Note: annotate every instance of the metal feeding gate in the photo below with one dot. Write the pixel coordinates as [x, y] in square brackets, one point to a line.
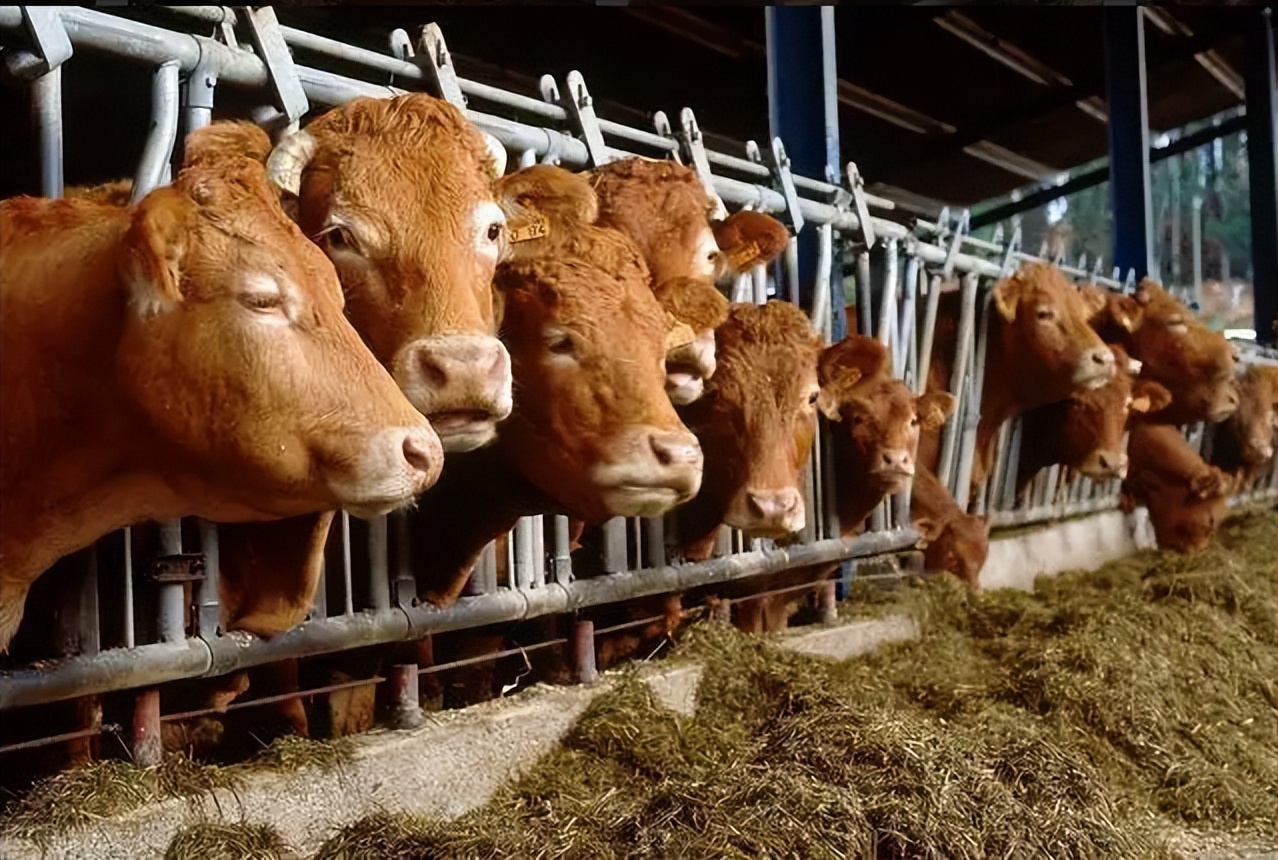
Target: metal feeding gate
[132, 620]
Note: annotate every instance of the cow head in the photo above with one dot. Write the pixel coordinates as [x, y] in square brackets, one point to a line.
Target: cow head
[879, 414]
[1047, 348]
[1256, 420]
[959, 544]
[592, 426]
[398, 193]
[1193, 362]
[747, 239]
[1186, 521]
[1092, 431]
[237, 354]
[694, 309]
[757, 419]
[664, 208]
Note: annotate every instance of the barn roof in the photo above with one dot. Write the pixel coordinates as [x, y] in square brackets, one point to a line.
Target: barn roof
[954, 104]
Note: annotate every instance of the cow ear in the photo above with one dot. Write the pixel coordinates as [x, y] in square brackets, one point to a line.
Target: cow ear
[934, 407]
[1146, 290]
[1210, 484]
[828, 403]
[749, 238]
[928, 529]
[1094, 299]
[154, 247]
[1149, 396]
[865, 356]
[1006, 294]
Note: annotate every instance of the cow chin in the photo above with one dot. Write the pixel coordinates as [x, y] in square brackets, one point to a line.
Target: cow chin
[397, 466]
[641, 501]
[683, 388]
[458, 435]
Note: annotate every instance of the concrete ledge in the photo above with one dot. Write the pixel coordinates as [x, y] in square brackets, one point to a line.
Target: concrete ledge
[1087, 543]
[852, 640]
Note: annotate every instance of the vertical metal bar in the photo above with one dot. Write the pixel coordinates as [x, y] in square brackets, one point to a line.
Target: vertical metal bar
[209, 610]
[929, 333]
[144, 739]
[583, 648]
[1262, 172]
[613, 534]
[790, 267]
[864, 295]
[822, 292]
[1007, 499]
[962, 352]
[129, 640]
[538, 551]
[561, 564]
[348, 591]
[887, 308]
[160, 140]
[1196, 245]
[1129, 192]
[907, 357]
[522, 546]
[402, 690]
[171, 622]
[972, 416]
[759, 276]
[404, 589]
[654, 539]
[46, 114]
[378, 564]
[484, 577]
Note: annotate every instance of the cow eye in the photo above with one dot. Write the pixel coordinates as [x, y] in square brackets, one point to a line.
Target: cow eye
[340, 239]
[914, 422]
[561, 343]
[1046, 313]
[261, 301]
[814, 397]
[493, 232]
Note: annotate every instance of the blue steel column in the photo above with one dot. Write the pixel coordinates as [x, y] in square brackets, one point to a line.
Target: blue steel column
[803, 110]
[1129, 196]
[1262, 157]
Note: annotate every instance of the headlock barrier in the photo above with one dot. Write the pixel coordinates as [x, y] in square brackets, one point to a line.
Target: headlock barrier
[165, 627]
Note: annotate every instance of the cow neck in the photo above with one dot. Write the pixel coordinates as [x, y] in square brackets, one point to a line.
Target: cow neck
[857, 492]
[478, 498]
[699, 522]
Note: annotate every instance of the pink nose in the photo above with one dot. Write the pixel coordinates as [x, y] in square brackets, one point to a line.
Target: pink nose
[773, 505]
[676, 449]
[897, 460]
[421, 450]
[480, 365]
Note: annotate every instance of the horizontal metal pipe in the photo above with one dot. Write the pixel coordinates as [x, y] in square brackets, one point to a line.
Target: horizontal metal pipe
[148, 665]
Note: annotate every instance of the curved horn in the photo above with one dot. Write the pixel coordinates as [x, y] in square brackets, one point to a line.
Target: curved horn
[289, 158]
[497, 150]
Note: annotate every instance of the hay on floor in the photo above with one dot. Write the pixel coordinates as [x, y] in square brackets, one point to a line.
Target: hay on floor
[210, 841]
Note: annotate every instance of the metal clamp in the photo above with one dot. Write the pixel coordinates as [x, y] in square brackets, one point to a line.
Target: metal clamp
[433, 59]
[268, 41]
[780, 166]
[956, 242]
[550, 95]
[661, 125]
[694, 146]
[50, 43]
[401, 48]
[857, 185]
[185, 567]
[580, 109]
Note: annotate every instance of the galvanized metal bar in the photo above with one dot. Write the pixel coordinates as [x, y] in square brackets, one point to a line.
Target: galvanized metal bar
[163, 134]
[864, 295]
[129, 636]
[929, 332]
[379, 591]
[144, 740]
[561, 563]
[962, 352]
[972, 415]
[210, 612]
[907, 355]
[171, 619]
[887, 308]
[484, 576]
[46, 114]
[759, 281]
[522, 546]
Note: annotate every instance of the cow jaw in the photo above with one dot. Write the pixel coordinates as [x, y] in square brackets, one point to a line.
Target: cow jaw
[688, 367]
[397, 466]
[654, 471]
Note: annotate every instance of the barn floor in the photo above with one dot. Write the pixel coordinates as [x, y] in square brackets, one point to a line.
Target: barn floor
[1127, 712]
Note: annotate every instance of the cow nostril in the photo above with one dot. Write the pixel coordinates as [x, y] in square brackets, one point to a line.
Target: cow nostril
[1102, 357]
[672, 449]
[433, 372]
[1103, 460]
[418, 453]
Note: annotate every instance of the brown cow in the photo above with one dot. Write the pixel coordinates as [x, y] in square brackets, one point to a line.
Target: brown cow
[747, 239]
[1244, 442]
[398, 192]
[756, 424]
[204, 345]
[1176, 350]
[1187, 499]
[592, 433]
[955, 541]
[878, 423]
[548, 204]
[1040, 350]
[1087, 430]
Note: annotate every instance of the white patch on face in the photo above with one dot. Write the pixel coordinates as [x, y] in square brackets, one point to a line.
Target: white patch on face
[490, 229]
[705, 255]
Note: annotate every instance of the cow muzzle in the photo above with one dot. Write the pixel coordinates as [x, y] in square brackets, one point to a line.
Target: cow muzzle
[654, 471]
[768, 513]
[688, 367]
[1104, 465]
[397, 466]
[1224, 405]
[893, 468]
[1096, 368]
[461, 382]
